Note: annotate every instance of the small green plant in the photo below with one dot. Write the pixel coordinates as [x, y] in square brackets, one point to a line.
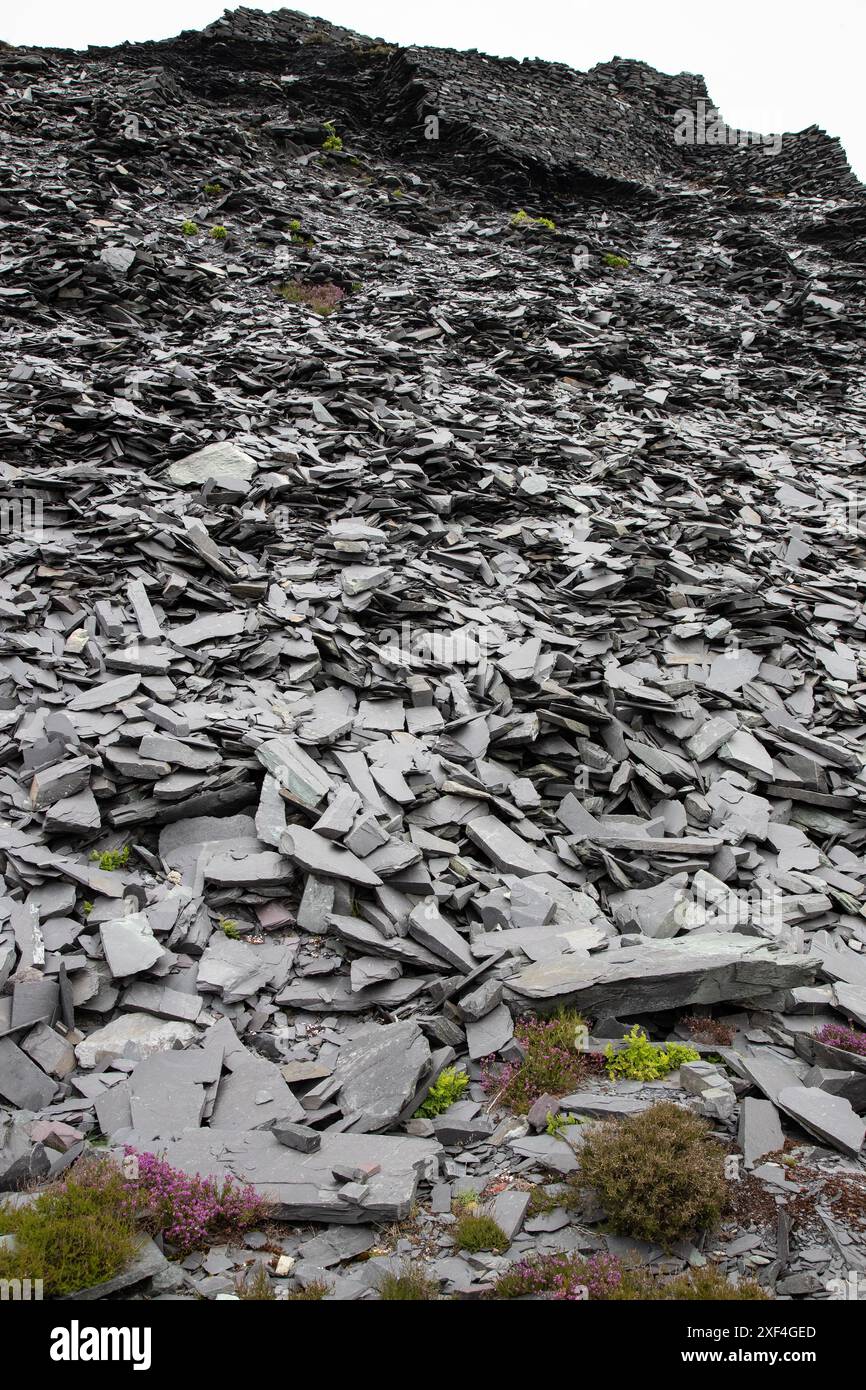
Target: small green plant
[616, 262]
[658, 1175]
[557, 1123]
[212, 190]
[446, 1089]
[297, 236]
[111, 859]
[254, 1284]
[640, 1060]
[87, 907]
[332, 141]
[465, 1201]
[522, 220]
[230, 927]
[189, 228]
[412, 1284]
[357, 286]
[474, 1233]
[218, 233]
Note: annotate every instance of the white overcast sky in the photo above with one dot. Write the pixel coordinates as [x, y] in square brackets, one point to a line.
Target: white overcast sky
[770, 65]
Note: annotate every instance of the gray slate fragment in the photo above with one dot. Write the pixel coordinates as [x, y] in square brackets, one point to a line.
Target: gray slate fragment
[213, 463]
[378, 1072]
[830, 1117]
[489, 1034]
[429, 927]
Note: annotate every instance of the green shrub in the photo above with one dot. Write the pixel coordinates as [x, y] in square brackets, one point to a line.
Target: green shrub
[332, 140]
[616, 262]
[446, 1089]
[212, 190]
[412, 1284]
[230, 927]
[72, 1236]
[476, 1233]
[111, 859]
[658, 1175]
[189, 228]
[641, 1060]
[218, 233]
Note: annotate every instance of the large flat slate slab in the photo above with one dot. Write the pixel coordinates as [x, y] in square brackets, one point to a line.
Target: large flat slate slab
[302, 1187]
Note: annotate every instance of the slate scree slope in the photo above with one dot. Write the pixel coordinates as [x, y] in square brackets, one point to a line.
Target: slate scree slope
[492, 643]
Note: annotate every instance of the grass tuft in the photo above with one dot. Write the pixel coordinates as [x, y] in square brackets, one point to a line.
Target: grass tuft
[412, 1284]
[474, 1233]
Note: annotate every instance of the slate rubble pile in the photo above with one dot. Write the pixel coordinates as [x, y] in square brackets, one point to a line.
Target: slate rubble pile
[492, 644]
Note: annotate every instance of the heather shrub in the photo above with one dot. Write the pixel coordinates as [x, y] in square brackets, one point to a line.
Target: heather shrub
[567, 1277]
[709, 1030]
[837, 1035]
[77, 1233]
[641, 1060]
[658, 1174]
[192, 1212]
[322, 299]
[446, 1089]
[554, 1062]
